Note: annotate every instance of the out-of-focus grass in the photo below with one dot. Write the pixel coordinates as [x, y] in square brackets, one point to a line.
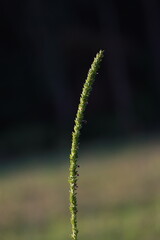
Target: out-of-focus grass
[118, 198]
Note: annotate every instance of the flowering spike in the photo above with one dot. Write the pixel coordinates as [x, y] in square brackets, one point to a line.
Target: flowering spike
[73, 177]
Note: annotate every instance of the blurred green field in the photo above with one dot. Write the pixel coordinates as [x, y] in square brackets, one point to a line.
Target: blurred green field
[118, 198]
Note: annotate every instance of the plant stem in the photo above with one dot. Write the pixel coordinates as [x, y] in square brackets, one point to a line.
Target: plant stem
[73, 172]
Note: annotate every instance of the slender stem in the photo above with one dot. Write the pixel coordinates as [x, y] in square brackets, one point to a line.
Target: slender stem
[73, 171]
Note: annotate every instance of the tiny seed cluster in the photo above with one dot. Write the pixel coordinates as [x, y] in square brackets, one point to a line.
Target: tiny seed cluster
[73, 176]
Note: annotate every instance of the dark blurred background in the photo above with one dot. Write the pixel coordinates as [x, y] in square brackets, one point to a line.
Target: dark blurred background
[46, 50]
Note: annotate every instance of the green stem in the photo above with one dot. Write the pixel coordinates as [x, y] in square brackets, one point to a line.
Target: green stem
[73, 176]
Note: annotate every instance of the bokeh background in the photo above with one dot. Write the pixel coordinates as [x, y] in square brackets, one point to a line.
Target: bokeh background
[46, 48]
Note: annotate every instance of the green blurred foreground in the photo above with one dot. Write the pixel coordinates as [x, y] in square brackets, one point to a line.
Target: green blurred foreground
[119, 198]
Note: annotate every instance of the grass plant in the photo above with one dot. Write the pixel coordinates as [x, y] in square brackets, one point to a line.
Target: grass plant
[73, 171]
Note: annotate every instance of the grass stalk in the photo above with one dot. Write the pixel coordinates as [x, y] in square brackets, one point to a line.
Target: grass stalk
[73, 170]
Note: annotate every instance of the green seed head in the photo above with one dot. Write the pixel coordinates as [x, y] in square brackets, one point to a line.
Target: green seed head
[73, 172]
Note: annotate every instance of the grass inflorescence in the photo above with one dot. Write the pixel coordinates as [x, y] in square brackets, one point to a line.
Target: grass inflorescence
[73, 171]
